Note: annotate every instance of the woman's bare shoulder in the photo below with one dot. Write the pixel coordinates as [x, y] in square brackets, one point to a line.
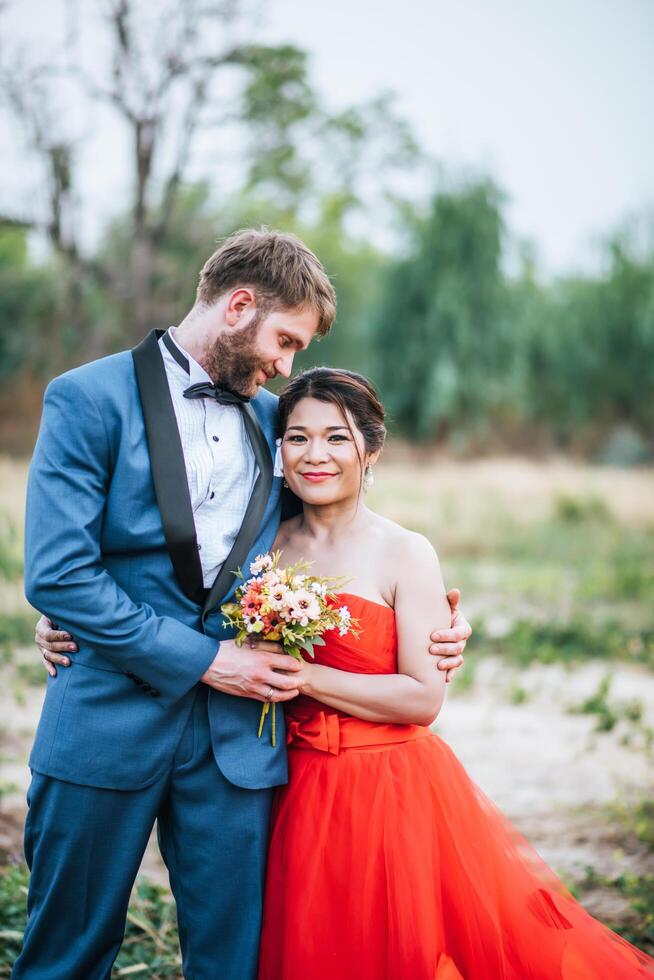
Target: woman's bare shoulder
[287, 529]
[390, 533]
[402, 553]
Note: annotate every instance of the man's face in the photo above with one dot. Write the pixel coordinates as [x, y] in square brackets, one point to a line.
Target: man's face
[258, 348]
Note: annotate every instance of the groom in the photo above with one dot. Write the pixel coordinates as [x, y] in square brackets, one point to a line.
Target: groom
[151, 481]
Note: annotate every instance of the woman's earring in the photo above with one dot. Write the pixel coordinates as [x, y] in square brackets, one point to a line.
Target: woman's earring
[368, 478]
[285, 484]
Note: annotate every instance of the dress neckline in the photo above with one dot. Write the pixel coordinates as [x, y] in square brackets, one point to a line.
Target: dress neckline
[362, 598]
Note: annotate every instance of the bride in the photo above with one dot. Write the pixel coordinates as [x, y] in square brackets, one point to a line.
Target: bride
[386, 862]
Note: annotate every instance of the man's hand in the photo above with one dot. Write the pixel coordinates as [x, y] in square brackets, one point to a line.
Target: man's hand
[259, 670]
[53, 645]
[450, 644]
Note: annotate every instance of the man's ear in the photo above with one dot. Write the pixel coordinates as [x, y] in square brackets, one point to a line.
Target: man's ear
[238, 302]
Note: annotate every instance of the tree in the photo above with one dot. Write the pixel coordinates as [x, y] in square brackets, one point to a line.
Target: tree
[170, 73]
[440, 331]
[160, 81]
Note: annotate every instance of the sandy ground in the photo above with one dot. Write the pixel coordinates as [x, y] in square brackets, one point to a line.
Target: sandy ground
[543, 766]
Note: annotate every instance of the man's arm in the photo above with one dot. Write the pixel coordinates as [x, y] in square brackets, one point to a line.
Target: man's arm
[64, 575]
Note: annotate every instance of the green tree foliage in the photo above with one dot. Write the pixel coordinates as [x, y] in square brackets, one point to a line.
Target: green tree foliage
[588, 347]
[440, 333]
[467, 352]
[28, 299]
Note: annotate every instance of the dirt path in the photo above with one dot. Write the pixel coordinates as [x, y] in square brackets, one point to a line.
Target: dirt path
[544, 767]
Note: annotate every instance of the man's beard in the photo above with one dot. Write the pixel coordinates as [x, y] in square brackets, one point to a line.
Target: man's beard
[234, 360]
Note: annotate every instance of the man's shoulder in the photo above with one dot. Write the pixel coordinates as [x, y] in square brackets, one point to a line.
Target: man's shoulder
[105, 376]
[266, 403]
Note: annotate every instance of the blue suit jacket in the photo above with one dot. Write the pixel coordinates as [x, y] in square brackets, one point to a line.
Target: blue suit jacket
[103, 563]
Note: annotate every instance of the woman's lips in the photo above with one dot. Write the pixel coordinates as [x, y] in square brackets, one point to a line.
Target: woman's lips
[317, 477]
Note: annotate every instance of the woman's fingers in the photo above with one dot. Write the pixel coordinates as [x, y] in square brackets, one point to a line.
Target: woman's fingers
[450, 663]
[58, 647]
[56, 658]
[51, 669]
[282, 681]
[55, 641]
[265, 645]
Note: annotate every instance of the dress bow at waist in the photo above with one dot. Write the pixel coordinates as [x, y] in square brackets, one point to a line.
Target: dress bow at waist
[325, 731]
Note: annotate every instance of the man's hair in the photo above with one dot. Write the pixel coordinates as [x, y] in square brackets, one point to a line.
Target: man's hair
[282, 272]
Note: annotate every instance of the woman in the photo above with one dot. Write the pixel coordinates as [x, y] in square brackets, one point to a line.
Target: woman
[386, 862]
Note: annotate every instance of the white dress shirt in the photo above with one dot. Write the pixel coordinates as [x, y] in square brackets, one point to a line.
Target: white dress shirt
[220, 464]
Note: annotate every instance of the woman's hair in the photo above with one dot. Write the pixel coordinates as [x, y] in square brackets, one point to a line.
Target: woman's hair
[356, 397]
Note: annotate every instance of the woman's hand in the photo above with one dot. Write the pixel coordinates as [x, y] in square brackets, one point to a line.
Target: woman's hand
[450, 644]
[286, 675]
[53, 645]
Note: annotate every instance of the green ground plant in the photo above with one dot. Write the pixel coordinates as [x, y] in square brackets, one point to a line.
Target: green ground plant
[150, 948]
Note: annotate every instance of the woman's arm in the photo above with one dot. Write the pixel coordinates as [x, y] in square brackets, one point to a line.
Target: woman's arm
[415, 694]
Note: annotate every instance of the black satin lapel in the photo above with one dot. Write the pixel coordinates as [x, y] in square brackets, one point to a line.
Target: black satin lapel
[253, 514]
[167, 464]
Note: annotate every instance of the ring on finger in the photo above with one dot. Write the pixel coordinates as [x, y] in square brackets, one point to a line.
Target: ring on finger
[270, 694]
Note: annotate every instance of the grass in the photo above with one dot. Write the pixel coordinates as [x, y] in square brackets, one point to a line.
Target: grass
[11, 562]
[150, 948]
[16, 630]
[577, 640]
[638, 890]
[556, 564]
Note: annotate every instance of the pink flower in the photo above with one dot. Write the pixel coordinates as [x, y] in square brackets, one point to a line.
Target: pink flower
[262, 563]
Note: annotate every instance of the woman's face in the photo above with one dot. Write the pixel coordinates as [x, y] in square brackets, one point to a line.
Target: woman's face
[319, 454]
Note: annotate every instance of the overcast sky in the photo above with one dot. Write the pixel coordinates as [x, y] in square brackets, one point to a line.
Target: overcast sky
[552, 97]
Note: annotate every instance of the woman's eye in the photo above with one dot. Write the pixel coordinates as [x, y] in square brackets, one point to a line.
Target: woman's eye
[338, 439]
[295, 439]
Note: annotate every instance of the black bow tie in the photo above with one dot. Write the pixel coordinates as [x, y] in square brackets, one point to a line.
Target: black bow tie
[203, 389]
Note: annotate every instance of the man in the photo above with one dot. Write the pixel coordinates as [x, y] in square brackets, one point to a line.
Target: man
[152, 480]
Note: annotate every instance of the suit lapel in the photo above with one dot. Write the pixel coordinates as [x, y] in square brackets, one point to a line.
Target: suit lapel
[167, 465]
[253, 515]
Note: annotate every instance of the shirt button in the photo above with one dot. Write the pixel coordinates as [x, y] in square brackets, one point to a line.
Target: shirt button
[199, 547]
[215, 438]
[212, 495]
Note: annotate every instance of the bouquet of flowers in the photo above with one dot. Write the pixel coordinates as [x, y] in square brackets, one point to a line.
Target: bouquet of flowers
[288, 606]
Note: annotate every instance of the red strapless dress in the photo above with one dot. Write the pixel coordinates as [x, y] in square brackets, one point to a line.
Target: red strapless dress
[387, 862]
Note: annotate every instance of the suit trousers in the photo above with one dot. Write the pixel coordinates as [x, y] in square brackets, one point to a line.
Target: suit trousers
[84, 846]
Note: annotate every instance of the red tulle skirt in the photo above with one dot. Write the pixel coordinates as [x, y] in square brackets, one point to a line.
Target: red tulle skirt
[388, 863]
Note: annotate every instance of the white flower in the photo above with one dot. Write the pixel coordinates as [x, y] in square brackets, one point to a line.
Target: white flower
[318, 588]
[300, 606]
[262, 563]
[254, 623]
[345, 617]
[277, 596]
